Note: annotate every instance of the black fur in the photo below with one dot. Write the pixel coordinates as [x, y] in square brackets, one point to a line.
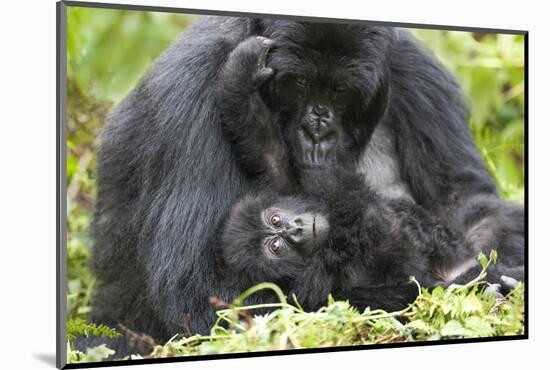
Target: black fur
[371, 245]
[167, 174]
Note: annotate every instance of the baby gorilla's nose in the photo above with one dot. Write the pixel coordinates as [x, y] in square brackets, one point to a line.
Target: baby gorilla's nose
[297, 222]
[294, 231]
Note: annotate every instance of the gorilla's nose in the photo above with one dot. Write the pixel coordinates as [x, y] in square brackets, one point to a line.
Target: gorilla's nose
[294, 232]
[319, 121]
[321, 111]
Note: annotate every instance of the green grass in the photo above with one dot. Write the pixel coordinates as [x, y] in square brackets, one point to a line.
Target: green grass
[455, 312]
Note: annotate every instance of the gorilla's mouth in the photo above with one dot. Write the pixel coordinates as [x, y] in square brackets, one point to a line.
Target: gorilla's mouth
[318, 148]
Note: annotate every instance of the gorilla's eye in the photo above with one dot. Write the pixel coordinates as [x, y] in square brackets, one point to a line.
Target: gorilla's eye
[275, 220]
[301, 82]
[275, 246]
[339, 90]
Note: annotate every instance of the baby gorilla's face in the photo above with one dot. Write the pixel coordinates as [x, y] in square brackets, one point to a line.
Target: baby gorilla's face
[290, 231]
[270, 238]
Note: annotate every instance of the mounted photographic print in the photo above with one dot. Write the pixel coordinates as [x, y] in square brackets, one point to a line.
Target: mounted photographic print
[246, 185]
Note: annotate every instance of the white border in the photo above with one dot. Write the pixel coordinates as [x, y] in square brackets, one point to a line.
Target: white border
[28, 181]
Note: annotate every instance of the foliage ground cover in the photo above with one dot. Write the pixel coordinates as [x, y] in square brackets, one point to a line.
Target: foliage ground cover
[455, 312]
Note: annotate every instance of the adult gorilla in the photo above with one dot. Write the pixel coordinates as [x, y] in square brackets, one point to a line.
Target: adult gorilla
[167, 175]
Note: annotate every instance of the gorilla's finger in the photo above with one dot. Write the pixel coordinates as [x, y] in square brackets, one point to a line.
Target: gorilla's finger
[265, 41]
[263, 75]
[509, 282]
[494, 290]
[266, 45]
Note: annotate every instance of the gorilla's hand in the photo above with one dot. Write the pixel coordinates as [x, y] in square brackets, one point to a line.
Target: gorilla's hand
[501, 278]
[247, 121]
[245, 69]
[499, 290]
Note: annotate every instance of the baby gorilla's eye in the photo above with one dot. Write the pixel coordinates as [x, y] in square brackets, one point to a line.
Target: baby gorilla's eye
[275, 220]
[275, 246]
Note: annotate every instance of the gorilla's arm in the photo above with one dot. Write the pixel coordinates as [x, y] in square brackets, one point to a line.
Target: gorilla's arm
[438, 159]
[395, 239]
[388, 298]
[491, 223]
[166, 176]
[420, 245]
[247, 121]
[428, 118]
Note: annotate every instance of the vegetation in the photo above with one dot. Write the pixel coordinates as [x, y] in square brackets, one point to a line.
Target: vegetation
[109, 50]
[79, 327]
[460, 311]
[490, 68]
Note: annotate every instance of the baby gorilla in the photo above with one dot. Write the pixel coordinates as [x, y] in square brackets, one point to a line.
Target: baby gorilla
[340, 239]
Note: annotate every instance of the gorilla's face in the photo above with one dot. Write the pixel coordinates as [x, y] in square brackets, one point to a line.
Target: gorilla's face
[329, 89]
[270, 238]
[291, 228]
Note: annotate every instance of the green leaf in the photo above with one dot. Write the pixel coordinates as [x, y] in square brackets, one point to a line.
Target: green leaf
[99, 353]
[438, 292]
[493, 256]
[477, 327]
[452, 328]
[471, 304]
[418, 325]
[79, 327]
[483, 260]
